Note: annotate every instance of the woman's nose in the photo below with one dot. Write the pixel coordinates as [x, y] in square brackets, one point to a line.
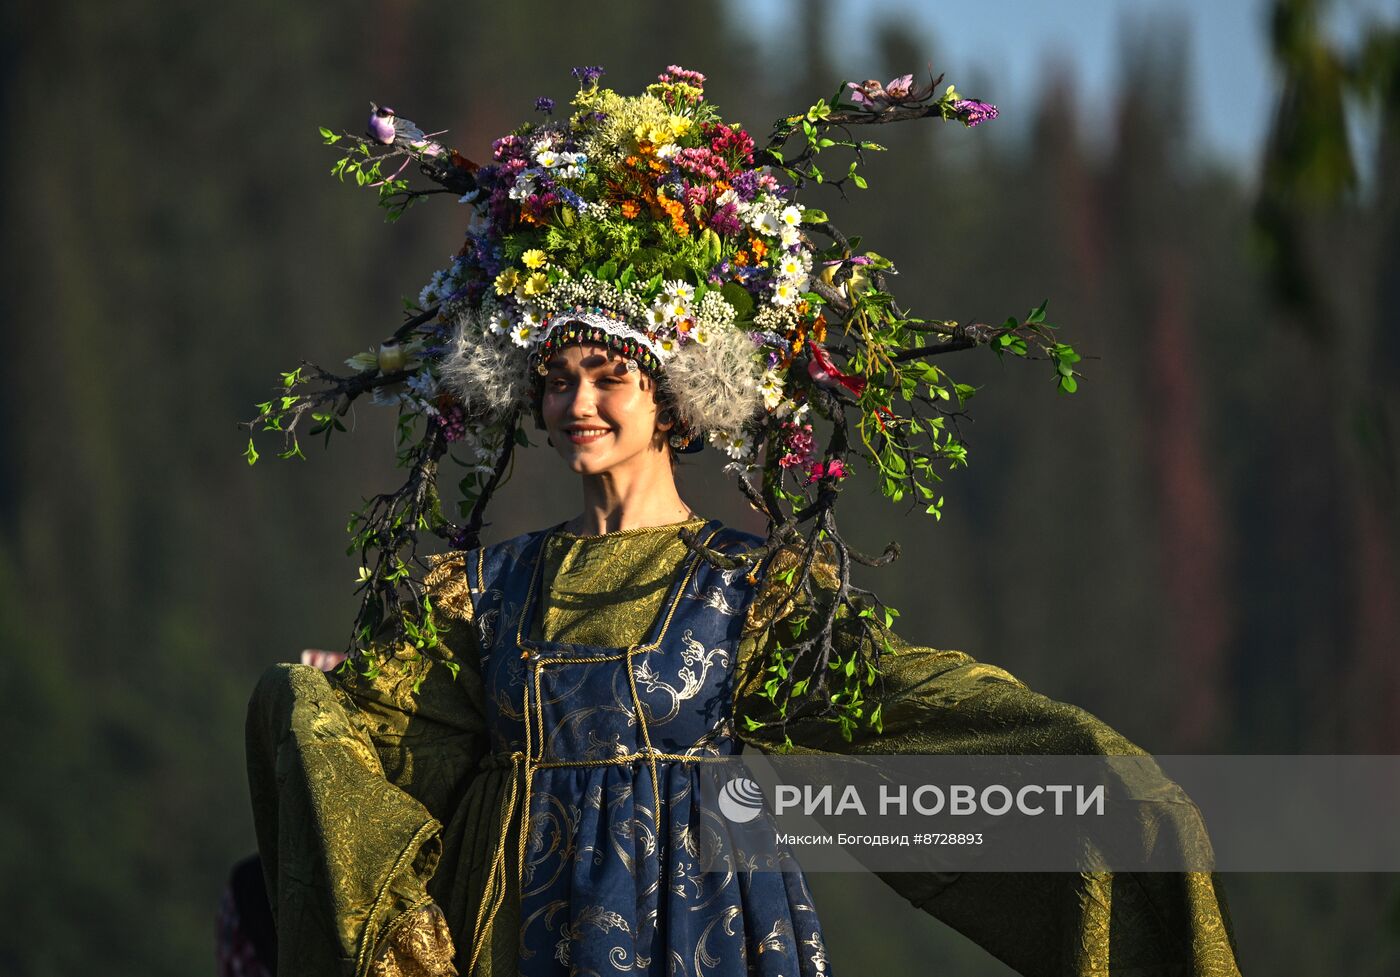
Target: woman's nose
[584, 403]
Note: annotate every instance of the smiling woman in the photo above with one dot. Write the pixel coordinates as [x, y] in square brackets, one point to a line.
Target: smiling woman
[536, 809]
[602, 415]
[506, 779]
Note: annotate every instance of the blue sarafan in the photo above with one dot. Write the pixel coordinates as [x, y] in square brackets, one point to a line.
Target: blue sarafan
[609, 743]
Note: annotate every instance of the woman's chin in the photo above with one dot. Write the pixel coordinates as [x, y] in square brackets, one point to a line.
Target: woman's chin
[587, 459]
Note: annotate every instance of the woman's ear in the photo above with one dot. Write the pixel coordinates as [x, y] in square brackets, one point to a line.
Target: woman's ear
[665, 419]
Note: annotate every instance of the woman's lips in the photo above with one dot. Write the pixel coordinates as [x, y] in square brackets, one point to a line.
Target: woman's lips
[587, 435]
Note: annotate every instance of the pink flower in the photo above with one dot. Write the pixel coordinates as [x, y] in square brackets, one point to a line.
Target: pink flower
[834, 471]
[799, 445]
[899, 89]
[873, 96]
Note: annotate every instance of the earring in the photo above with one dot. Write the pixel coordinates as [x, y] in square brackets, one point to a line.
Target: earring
[678, 442]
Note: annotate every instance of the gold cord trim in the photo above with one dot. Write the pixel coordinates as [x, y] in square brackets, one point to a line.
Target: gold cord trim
[525, 763]
[635, 531]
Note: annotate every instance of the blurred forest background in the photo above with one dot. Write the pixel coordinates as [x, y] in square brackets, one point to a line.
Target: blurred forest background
[1201, 546]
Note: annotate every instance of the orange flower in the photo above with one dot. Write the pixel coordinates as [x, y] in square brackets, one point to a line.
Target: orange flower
[630, 209]
[759, 248]
[741, 258]
[819, 329]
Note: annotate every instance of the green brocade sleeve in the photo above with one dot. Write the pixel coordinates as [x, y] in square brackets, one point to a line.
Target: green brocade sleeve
[937, 701]
[352, 779]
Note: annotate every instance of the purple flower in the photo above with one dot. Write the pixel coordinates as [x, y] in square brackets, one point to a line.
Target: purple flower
[746, 185]
[545, 105]
[588, 76]
[571, 198]
[971, 111]
[726, 221]
[508, 147]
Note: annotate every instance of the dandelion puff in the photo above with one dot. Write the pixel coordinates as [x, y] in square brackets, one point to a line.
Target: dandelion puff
[488, 373]
[715, 383]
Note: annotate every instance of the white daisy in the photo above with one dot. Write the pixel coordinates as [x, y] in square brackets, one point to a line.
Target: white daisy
[767, 222]
[789, 236]
[522, 334]
[496, 322]
[790, 266]
[680, 290]
[548, 159]
[784, 292]
[792, 215]
[736, 446]
[770, 387]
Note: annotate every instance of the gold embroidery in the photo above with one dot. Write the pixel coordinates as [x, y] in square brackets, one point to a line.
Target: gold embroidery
[419, 946]
[446, 583]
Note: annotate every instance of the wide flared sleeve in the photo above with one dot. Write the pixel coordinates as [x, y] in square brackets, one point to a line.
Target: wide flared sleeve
[938, 701]
[352, 777]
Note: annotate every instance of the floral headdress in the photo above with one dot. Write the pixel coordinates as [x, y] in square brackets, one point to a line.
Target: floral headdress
[650, 225]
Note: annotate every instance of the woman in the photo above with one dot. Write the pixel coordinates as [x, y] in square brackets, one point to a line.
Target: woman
[531, 807]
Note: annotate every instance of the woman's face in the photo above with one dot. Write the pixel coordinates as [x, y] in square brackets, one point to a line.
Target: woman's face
[599, 415]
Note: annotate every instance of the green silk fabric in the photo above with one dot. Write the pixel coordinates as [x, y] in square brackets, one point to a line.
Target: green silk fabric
[373, 802]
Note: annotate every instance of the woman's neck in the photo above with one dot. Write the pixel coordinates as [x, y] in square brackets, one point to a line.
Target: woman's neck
[629, 500]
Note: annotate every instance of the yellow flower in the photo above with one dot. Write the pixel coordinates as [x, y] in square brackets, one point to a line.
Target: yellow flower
[537, 284]
[680, 125]
[506, 281]
[534, 259]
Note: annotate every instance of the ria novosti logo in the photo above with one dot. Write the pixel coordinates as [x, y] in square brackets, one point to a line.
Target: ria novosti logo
[741, 800]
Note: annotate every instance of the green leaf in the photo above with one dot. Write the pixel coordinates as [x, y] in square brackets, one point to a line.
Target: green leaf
[1038, 313]
[251, 454]
[814, 215]
[1068, 385]
[859, 180]
[738, 297]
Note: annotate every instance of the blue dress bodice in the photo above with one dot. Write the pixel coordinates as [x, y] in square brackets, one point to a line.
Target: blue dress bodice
[608, 743]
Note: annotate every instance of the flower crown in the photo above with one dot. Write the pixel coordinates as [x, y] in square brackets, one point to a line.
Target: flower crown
[650, 225]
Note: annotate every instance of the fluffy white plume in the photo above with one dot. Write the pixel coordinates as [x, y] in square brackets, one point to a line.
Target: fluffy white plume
[487, 371]
[715, 384]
